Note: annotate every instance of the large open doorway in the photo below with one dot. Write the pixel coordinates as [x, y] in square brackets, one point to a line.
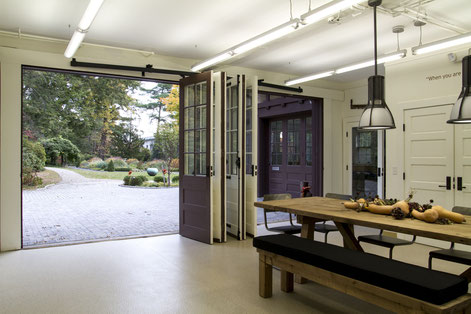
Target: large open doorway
[99, 157]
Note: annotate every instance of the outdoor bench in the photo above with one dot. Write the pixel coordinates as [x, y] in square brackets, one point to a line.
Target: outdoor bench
[391, 284]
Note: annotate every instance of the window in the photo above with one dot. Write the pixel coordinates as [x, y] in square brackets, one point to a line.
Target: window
[293, 142]
[276, 141]
[309, 141]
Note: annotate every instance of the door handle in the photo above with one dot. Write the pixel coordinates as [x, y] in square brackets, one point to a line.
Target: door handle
[379, 172]
[448, 184]
[460, 186]
[254, 170]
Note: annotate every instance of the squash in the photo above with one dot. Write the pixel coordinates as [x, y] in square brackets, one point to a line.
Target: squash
[430, 215]
[404, 206]
[351, 205]
[444, 213]
[380, 209]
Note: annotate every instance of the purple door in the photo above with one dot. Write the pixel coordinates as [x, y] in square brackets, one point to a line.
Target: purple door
[290, 153]
[195, 192]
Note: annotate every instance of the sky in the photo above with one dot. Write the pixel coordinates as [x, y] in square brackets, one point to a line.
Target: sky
[141, 118]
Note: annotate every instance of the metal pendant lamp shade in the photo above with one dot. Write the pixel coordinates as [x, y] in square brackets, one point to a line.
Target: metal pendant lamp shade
[461, 111]
[376, 115]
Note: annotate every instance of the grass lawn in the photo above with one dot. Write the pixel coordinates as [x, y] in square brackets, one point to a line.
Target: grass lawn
[116, 175]
[48, 176]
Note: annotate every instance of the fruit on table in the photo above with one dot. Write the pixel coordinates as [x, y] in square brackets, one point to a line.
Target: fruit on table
[380, 209]
[444, 213]
[430, 215]
[351, 205]
[404, 206]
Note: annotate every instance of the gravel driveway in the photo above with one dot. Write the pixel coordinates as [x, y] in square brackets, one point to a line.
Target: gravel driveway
[81, 209]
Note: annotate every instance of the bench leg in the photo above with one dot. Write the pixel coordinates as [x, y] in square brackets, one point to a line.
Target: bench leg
[265, 278]
[287, 283]
[307, 232]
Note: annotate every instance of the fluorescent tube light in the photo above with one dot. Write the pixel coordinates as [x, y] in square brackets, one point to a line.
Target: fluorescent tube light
[219, 58]
[327, 10]
[442, 44]
[266, 37]
[386, 58]
[90, 14]
[309, 78]
[83, 26]
[74, 43]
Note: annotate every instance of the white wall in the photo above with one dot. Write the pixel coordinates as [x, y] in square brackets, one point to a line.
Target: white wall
[15, 52]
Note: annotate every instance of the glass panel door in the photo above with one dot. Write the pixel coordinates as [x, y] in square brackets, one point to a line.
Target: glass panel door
[195, 151]
[365, 163]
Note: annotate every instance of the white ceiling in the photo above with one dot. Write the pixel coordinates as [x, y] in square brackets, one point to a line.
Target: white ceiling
[200, 29]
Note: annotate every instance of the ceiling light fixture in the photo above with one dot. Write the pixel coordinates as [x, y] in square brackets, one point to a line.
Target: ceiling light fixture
[385, 58]
[282, 30]
[327, 10]
[250, 44]
[309, 78]
[461, 111]
[83, 26]
[376, 115]
[442, 44]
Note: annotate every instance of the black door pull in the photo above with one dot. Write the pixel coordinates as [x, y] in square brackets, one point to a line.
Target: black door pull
[460, 184]
[448, 184]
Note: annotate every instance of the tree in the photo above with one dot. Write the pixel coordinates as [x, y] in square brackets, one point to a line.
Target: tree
[166, 140]
[34, 158]
[59, 147]
[125, 141]
[80, 108]
[156, 106]
[172, 103]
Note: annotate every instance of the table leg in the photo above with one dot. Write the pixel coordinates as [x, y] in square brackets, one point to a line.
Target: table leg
[307, 231]
[349, 240]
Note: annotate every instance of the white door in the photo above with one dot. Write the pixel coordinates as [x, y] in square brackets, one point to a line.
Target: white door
[251, 155]
[235, 100]
[218, 164]
[364, 161]
[429, 154]
[463, 165]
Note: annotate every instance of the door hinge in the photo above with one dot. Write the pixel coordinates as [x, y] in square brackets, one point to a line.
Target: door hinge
[403, 127]
[403, 176]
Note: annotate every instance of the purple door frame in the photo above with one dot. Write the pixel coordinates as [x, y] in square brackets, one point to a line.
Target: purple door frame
[284, 106]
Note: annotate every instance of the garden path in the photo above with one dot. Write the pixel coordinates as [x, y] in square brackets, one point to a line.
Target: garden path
[80, 209]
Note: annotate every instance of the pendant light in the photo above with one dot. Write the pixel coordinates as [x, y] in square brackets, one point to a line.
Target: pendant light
[461, 111]
[376, 115]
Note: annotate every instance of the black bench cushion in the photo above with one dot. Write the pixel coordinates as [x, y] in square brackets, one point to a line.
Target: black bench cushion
[418, 282]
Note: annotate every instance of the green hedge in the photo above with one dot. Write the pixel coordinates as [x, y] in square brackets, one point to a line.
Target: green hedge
[175, 179]
[159, 178]
[122, 169]
[134, 180]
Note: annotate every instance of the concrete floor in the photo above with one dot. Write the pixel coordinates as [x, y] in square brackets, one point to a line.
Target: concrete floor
[167, 274]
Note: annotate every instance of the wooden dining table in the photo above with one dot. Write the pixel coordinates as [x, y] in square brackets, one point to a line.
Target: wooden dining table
[310, 210]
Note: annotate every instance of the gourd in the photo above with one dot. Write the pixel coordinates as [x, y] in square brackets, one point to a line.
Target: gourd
[404, 206]
[351, 205]
[443, 213]
[430, 215]
[380, 209]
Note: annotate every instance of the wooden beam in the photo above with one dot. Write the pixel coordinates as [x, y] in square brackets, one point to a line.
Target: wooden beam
[265, 273]
[349, 240]
[287, 283]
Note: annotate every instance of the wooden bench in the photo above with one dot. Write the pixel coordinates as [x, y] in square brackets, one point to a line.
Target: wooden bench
[393, 285]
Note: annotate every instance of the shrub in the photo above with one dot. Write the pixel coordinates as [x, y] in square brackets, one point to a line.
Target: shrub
[96, 163]
[137, 180]
[126, 180]
[84, 164]
[31, 179]
[175, 179]
[132, 162]
[117, 161]
[159, 178]
[110, 166]
[174, 164]
[140, 165]
[156, 163]
[59, 149]
[123, 169]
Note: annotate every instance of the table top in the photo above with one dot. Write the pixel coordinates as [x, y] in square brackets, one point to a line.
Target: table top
[332, 209]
